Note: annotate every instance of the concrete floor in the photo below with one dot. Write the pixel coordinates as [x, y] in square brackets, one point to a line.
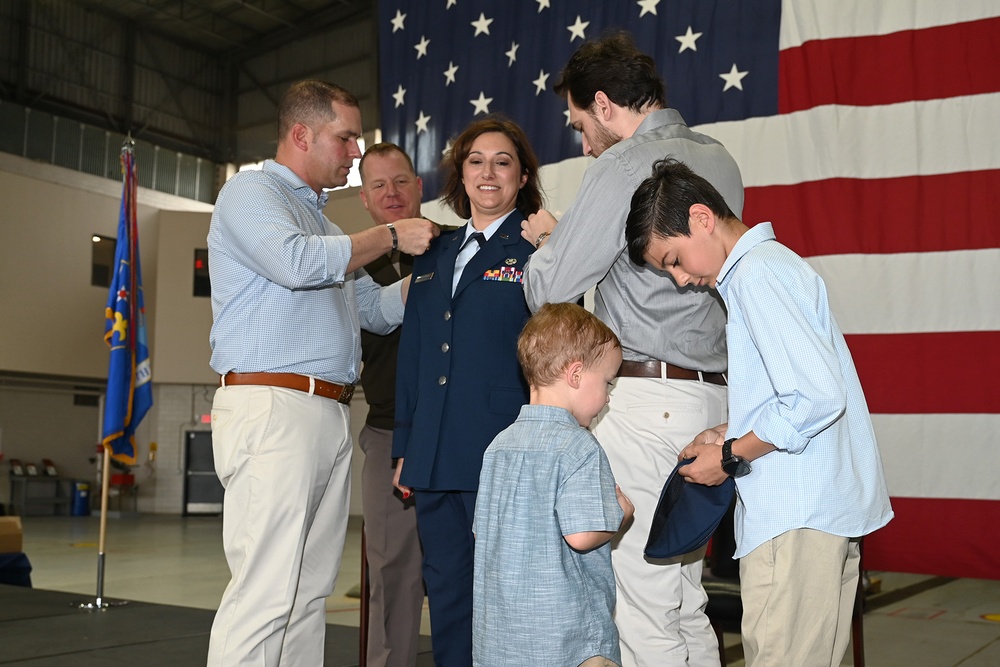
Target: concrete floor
[916, 620]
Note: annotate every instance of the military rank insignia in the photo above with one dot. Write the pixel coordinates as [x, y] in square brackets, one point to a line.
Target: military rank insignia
[506, 274]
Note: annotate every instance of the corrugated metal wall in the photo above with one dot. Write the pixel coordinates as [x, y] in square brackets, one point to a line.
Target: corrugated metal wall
[40, 136]
[347, 56]
[187, 109]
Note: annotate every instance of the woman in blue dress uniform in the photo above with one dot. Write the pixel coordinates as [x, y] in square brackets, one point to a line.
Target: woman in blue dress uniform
[458, 380]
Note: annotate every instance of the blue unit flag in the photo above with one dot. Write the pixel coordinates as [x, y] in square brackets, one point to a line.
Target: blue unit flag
[130, 391]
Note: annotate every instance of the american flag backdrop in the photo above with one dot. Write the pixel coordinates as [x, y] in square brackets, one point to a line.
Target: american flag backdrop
[867, 132]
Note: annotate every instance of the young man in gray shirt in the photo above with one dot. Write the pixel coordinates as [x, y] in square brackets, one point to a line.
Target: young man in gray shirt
[671, 385]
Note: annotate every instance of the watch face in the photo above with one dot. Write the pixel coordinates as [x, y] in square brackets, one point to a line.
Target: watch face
[737, 467]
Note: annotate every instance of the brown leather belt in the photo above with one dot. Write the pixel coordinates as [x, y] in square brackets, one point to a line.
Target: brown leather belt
[651, 369]
[341, 393]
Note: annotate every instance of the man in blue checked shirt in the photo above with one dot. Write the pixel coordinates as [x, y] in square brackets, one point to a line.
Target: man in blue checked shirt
[289, 298]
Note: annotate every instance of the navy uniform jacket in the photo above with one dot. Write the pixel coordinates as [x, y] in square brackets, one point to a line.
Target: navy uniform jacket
[458, 381]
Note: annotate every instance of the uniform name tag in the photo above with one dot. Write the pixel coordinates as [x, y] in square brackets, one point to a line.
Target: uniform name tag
[424, 277]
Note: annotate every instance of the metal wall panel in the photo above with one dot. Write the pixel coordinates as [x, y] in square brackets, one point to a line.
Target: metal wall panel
[41, 136]
[39, 128]
[113, 156]
[94, 153]
[176, 74]
[145, 164]
[76, 56]
[345, 55]
[178, 91]
[166, 171]
[10, 40]
[66, 152]
[12, 128]
[188, 175]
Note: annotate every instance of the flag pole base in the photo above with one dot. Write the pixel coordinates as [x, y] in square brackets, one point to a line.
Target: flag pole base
[100, 605]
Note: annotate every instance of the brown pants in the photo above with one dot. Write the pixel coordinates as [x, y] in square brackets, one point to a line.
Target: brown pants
[394, 558]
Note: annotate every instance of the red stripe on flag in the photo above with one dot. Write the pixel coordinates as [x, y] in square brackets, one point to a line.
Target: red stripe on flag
[875, 216]
[932, 63]
[929, 373]
[945, 537]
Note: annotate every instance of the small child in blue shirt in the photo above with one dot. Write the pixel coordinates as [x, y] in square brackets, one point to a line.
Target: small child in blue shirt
[799, 440]
[548, 506]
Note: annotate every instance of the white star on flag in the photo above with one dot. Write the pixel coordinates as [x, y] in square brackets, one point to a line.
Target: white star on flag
[422, 121]
[542, 4]
[512, 53]
[734, 79]
[541, 81]
[450, 4]
[421, 46]
[576, 30]
[566, 113]
[648, 7]
[482, 25]
[688, 40]
[397, 23]
[399, 95]
[482, 104]
[449, 74]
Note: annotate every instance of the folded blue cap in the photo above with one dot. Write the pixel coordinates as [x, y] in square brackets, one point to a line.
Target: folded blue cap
[687, 515]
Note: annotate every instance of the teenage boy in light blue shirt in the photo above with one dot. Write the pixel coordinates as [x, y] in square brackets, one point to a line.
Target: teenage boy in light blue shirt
[799, 440]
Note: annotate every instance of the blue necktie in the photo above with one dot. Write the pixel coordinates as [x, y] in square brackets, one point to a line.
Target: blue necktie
[465, 254]
[478, 236]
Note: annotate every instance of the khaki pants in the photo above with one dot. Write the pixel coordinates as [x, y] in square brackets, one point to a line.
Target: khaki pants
[660, 610]
[284, 458]
[801, 574]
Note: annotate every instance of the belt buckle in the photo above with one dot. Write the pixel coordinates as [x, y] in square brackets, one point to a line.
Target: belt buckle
[347, 394]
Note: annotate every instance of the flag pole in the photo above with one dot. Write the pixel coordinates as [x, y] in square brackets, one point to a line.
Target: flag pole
[99, 602]
[128, 146]
[105, 484]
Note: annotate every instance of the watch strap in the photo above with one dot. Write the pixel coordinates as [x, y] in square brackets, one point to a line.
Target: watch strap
[732, 465]
[395, 236]
[727, 449]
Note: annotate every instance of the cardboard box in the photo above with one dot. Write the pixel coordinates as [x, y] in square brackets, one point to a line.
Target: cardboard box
[10, 534]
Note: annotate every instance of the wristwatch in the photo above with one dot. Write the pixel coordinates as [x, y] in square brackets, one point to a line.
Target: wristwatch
[395, 236]
[732, 465]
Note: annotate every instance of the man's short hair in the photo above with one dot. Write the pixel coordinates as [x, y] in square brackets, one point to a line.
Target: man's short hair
[383, 148]
[311, 103]
[661, 206]
[556, 336]
[615, 65]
